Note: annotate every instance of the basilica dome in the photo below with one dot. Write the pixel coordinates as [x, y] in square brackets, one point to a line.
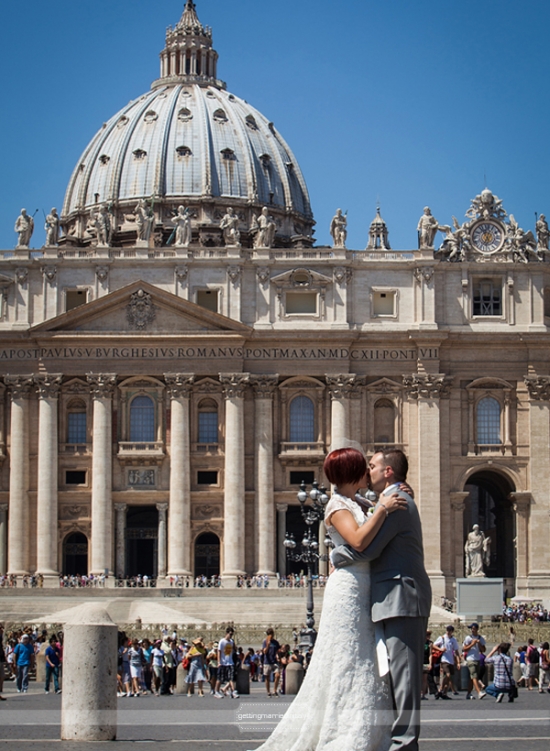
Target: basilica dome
[188, 141]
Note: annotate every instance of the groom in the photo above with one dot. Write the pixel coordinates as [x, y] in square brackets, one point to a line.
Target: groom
[400, 592]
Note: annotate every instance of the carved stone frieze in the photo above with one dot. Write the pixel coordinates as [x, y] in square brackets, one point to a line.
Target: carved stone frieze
[207, 386]
[358, 387]
[48, 385]
[179, 384]
[427, 385]
[21, 275]
[234, 274]
[140, 311]
[142, 478]
[49, 272]
[341, 386]
[538, 387]
[20, 387]
[234, 384]
[76, 511]
[206, 511]
[263, 274]
[76, 387]
[102, 385]
[182, 273]
[102, 273]
[424, 273]
[264, 385]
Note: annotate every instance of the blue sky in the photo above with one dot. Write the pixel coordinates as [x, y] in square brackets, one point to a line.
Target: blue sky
[409, 103]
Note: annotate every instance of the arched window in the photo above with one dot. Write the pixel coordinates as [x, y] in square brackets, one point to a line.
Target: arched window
[302, 420]
[208, 421]
[76, 423]
[384, 422]
[488, 421]
[142, 420]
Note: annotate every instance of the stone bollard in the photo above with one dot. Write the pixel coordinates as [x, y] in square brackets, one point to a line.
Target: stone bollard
[489, 674]
[181, 677]
[89, 699]
[242, 684]
[41, 665]
[464, 678]
[294, 675]
[516, 672]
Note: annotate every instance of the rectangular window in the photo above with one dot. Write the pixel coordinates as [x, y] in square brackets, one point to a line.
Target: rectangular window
[207, 478]
[74, 298]
[487, 297]
[297, 477]
[383, 304]
[76, 427]
[208, 427]
[301, 303]
[75, 477]
[208, 298]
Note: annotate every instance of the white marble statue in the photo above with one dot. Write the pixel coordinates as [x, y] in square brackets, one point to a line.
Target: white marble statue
[265, 235]
[522, 242]
[455, 244]
[24, 226]
[543, 234]
[52, 228]
[427, 229]
[182, 220]
[338, 229]
[478, 552]
[102, 223]
[145, 218]
[230, 226]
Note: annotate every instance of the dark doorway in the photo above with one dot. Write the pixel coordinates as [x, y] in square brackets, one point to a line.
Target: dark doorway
[75, 554]
[207, 555]
[296, 526]
[489, 506]
[141, 541]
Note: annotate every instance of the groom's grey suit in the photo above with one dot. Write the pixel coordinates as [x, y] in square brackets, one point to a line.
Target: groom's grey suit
[401, 598]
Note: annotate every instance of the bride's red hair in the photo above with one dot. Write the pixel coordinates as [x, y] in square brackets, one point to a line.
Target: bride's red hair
[344, 465]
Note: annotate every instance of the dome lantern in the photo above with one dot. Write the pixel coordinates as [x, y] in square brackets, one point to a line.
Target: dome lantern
[378, 233]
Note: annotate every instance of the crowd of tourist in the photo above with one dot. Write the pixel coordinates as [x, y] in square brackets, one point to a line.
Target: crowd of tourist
[523, 612]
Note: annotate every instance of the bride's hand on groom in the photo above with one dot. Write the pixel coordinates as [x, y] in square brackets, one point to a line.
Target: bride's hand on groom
[394, 502]
[406, 489]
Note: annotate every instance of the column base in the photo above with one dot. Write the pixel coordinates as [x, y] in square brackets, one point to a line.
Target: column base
[229, 578]
[50, 580]
[270, 574]
[439, 588]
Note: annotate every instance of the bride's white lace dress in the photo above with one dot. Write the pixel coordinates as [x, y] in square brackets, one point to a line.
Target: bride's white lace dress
[343, 704]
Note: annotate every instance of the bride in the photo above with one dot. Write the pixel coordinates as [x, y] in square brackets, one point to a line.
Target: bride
[343, 703]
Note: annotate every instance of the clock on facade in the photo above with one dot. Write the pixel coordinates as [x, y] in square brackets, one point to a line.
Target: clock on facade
[487, 236]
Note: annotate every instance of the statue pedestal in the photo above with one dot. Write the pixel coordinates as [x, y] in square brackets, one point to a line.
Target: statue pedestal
[479, 596]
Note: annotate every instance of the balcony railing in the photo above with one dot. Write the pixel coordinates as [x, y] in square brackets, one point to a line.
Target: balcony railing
[297, 448]
[207, 449]
[148, 451]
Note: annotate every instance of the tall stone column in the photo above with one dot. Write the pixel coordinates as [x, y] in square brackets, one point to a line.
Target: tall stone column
[120, 543]
[521, 503]
[46, 499]
[161, 540]
[539, 470]
[458, 502]
[340, 388]
[264, 386]
[102, 386]
[3, 538]
[282, 508]
[18, 524]
[234, 495]
[427, 389]
[179, 531]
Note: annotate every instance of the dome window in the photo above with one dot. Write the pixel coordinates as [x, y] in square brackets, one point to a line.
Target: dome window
[186, 93]
[183, 151]
[290, 166]
[231, 98]
[185, 115]
[250, 120]
[150, 116]
[122, 122]
[210, 94]
[139, 155]
[220, 116]
[266, 159]
[229, 154]
[104, 159]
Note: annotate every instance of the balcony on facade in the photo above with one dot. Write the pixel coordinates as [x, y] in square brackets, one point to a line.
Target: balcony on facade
[142, 452]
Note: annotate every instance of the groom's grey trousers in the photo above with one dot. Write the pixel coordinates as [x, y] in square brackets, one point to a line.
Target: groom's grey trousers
[405, 638]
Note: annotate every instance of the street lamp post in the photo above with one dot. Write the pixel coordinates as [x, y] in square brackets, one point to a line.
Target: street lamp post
[311, 513]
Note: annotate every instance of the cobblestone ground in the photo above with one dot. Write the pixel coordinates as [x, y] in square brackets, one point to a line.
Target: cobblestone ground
[30, 722]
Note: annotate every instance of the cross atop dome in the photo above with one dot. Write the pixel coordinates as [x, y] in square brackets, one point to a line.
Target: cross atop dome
[188, 56]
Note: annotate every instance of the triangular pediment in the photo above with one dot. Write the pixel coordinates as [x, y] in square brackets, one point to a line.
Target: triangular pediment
[141, 308]
[385, 386]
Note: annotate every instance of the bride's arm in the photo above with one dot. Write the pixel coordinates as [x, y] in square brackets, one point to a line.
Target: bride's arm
[360, 537]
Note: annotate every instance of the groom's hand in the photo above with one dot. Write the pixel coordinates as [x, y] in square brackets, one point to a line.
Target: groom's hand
[342, 556]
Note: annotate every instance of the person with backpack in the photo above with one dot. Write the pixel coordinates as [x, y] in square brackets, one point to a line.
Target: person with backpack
[533, 659]
[270, 649]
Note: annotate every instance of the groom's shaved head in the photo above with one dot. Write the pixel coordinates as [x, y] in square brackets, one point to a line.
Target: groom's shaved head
[397, 460]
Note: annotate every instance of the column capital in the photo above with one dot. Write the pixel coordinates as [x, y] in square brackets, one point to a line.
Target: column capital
[427, 385]
[234, 384]
[121, 507]
[341, 386]
[162, 508]
[48, 385]
[357, 387]
[264, 385]
[3, 508]
[521, 503]
[102, 385]
[458, 500]
[179, 384]
[20, 387]
[282, 507]
[538, 388]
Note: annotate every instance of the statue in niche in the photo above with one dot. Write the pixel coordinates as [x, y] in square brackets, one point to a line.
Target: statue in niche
[182, 220]
[230, 226]
[52, 228]
[338, 229]
[24, 226]
[427, 229]
[102, 223]
[543, 235]
[478, 552]
[265, 228]
[145, 218]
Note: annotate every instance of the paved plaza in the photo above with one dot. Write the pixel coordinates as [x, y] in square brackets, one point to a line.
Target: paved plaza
[32, 721]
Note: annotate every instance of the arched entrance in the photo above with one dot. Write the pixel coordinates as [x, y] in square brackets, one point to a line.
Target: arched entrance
[141, 541]
[207, 555]
[488, 505]
[75, 554]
